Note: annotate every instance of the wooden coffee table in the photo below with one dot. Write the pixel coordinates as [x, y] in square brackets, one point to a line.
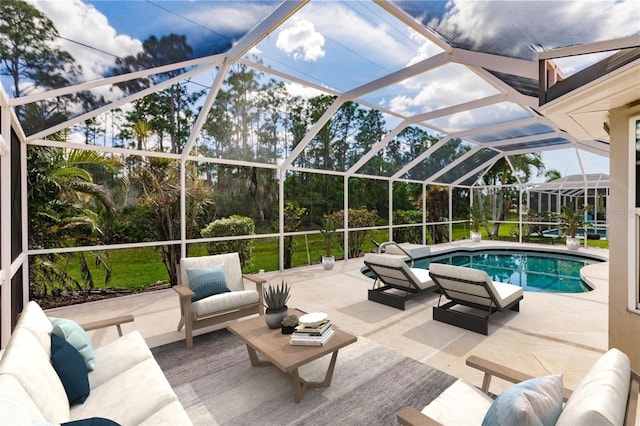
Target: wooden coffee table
[275, 347]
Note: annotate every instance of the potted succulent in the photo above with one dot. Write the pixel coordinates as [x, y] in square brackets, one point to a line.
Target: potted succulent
[328, 233]
[475, 215]
[289, 324]
[572, 220]
[275, 300]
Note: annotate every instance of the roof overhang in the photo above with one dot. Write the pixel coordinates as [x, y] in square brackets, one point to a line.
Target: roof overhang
[584, 111]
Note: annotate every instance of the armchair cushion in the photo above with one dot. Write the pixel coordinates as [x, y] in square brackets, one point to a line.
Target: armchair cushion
[205, 282]
[446, 408]
[71, 369]
[76, 336]
[224, 301]
[536, 402]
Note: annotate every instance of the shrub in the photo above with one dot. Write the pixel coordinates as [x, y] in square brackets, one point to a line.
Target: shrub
[227, 227]
[407, 235]
[358, 218]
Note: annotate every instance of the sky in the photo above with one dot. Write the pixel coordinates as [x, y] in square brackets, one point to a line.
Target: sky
[343, 45]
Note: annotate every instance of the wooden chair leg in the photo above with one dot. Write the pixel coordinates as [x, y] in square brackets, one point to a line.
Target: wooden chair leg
[188, 333]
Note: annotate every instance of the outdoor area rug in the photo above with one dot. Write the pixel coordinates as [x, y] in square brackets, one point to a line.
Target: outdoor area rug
[217, 385]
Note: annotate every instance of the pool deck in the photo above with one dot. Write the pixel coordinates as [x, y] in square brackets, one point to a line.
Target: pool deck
[552, 333]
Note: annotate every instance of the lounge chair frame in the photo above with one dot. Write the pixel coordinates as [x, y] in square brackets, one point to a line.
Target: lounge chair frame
[478, 323]
[393, 285]
[383, 293]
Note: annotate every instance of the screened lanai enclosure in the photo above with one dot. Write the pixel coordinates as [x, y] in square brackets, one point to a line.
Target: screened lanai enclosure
[135, 133]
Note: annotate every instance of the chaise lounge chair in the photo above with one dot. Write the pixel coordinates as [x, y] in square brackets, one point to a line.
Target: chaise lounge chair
[399, 281]
[607, 395]
[471, 288]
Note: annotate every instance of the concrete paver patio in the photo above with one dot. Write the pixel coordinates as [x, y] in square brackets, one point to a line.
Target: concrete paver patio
[552, 333]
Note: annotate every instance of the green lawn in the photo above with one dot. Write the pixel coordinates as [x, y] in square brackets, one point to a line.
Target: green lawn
[143, 267]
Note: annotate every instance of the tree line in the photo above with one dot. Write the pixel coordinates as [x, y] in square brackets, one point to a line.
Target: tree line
[78, 197]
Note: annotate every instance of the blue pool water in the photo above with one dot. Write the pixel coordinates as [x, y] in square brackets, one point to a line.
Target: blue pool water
[533, 271]
[579, 233]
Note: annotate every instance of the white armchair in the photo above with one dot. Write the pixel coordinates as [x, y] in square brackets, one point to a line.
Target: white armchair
[607, 395]
[211, 290]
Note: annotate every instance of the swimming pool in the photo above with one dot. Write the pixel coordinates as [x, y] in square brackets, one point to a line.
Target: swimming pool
[531, 270]
[598, 233]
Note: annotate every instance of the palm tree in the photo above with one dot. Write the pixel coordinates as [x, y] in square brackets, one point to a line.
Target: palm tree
[66, 209]
[501, 175]
[552, 174]
[142, 131]
[158, 180]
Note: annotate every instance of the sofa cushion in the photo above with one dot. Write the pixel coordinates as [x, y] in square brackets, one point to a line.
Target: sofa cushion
[205, 282]
[36, 321]
[224, 301]
[447, 410]
[12, 390]
[110, 359]
[71, 369]
[75, 335]
[12, 413]
[130, 397]
[40, 381]
[533, 402]
[171, 414]
[601, 396]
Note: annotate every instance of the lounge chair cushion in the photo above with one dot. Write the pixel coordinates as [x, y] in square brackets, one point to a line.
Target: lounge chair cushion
[447, 410]
[419, 276]
[504, 293]
[536, 401]
[601, 396]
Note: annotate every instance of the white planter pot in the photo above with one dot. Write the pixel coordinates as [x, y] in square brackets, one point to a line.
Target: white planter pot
[573, 243]
[476, 237]
[328, 262]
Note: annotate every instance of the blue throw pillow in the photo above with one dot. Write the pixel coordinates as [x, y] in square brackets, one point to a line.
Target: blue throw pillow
[71, 369]
[536, 401]
[205, 282]
[92, 421]
[76, 336]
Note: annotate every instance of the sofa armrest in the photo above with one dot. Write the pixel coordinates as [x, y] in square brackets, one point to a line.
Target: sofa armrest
[117, 321]
[491, 369]
[259, 281]
[409, 416]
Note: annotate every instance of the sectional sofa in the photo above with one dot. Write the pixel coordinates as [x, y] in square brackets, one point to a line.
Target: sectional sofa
[125, 387]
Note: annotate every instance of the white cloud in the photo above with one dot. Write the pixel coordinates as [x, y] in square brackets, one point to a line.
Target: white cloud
[86, 26]
[547, 23]
[301, 41]
[445, 86]
[304, 92]
[377, 41]
[426, 48]
[498, 113]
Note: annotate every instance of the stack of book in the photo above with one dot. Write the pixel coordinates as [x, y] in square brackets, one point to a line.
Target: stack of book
[317, 336]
